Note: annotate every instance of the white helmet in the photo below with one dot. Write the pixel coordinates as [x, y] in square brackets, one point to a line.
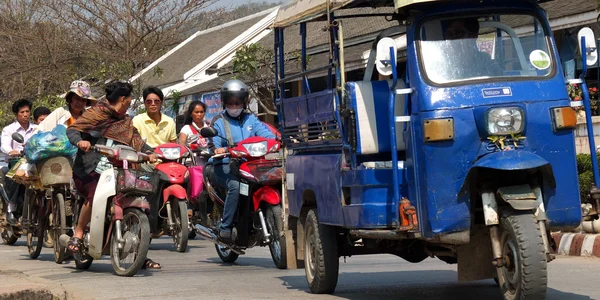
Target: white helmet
[234, 89]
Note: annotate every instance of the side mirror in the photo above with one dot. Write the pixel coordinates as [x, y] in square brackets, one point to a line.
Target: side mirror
[590, 45]
[383, 62]
[209, 132]
[18, 138]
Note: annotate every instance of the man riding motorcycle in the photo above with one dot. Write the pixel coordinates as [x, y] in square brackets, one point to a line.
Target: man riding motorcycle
[22, 110]
[234, 124]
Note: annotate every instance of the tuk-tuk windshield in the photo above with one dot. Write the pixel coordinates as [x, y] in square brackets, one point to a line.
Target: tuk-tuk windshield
[499, 47]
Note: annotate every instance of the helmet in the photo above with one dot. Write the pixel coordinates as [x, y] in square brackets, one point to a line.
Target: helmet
[233, 89]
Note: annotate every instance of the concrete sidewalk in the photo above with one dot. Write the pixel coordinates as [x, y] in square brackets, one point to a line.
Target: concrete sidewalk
[577, 244]
[15, 285]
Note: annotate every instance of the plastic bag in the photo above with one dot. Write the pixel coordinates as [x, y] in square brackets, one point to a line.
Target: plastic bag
[53, 143]
[23, 171]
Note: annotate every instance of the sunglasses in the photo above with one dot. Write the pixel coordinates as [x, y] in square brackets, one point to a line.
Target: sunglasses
[152, 101]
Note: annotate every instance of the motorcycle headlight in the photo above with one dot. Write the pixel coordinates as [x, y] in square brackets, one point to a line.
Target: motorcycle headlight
[128, 154]
[504, 121]
[171, 153]
[256, 149]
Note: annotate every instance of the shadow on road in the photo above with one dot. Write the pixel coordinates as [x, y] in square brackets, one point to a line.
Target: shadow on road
[414, 285]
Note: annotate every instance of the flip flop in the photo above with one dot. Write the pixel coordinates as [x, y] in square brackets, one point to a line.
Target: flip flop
[151, 265]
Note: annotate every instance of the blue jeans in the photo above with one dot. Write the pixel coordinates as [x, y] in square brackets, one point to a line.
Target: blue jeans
[225, 179]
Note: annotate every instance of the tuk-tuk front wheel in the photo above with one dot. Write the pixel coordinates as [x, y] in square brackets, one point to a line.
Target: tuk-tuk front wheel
[524, 272]
[321, 258]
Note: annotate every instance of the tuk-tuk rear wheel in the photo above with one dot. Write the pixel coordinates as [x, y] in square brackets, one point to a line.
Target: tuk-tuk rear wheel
[321, 258]
[524, 274]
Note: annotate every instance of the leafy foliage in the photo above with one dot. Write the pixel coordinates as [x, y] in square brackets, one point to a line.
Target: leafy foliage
[253, 64]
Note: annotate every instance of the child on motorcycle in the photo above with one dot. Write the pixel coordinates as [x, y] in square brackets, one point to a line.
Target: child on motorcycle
[235, 124]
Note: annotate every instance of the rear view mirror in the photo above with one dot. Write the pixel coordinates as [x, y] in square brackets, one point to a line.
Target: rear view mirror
[18, 138]
[590, 45]
[209, 132]
[383, 62]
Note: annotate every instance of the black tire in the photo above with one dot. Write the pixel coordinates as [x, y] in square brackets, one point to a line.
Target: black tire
[225, 254]
[37, 228]
[59, 226]
[137, 243]
[182, 227]
[277, 246]
[8, 240]
[84, 263]
[525, 276]
[321, 258]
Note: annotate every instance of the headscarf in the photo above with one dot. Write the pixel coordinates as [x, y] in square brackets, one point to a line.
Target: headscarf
[111, 125]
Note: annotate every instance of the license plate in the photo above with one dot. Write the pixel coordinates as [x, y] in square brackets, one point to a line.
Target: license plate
[243, 189]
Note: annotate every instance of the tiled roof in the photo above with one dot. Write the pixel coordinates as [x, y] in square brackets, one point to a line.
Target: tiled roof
[195, 51]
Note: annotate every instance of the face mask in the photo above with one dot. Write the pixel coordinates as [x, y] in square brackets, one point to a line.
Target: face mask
[234, 112]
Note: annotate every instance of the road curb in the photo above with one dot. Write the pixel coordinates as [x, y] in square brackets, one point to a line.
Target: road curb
[577, 244]
[19, 286]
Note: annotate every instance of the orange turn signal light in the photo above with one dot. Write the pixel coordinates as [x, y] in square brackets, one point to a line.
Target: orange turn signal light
[564, 117]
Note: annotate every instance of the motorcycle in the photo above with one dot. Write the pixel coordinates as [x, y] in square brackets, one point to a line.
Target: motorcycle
[169, 209]
[119, 225]
[9, 233]
[258, 220]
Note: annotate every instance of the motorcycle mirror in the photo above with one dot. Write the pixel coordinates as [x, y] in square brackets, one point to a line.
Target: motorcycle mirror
[590, 45]
[18, 138]
[209, 132]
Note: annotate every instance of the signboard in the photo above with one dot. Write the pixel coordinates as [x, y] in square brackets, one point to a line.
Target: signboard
[213, 104]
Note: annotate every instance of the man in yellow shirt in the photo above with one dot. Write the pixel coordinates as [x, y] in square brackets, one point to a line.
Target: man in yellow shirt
[154, 126]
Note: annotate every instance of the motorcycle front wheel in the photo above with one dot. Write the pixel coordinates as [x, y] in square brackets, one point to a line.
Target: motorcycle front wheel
[37, 226]
[277, 247]
[128, 258]
[59, 225]
[180, 230]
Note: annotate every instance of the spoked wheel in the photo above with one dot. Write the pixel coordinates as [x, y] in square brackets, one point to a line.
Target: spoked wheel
[37, 227]
[225, 254]
[8, 238]
[59, 225]
[135, 231]
[275, 228]
[181, 228]
[524, 275]
[320, 255]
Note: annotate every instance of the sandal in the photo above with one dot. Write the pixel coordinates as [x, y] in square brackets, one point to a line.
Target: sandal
[150, 264]
[74, 246]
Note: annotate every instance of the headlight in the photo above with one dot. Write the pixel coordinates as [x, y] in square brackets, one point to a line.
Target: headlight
[256, 149]
[504, 121]
[171, 153]
[129, 155]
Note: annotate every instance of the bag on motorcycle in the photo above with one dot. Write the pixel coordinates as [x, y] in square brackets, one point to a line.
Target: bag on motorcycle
[23, 171]
[196, 181]
[48, 144]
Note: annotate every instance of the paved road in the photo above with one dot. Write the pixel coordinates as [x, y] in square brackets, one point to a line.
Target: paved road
[199, 274]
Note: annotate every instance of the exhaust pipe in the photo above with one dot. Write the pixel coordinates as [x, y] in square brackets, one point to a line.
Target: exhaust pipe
[210, 235]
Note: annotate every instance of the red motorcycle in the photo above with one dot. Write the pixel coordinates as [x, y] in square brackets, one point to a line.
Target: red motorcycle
[169, 208]
[258, 220]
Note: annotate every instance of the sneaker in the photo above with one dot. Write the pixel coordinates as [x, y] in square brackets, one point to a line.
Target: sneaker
[225, 236]
[12, 220]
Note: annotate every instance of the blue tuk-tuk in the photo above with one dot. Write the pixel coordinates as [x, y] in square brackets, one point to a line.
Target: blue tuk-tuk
[469, 156]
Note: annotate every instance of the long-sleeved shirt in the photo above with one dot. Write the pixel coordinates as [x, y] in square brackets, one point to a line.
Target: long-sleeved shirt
[7, 144]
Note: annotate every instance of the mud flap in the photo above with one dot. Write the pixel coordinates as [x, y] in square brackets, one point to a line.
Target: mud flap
[475, 258]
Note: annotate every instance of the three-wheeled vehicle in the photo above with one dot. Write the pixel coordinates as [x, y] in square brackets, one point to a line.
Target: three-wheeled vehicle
[467, 156]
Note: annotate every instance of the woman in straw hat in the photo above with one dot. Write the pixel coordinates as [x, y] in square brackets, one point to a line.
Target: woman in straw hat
[78, 98]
